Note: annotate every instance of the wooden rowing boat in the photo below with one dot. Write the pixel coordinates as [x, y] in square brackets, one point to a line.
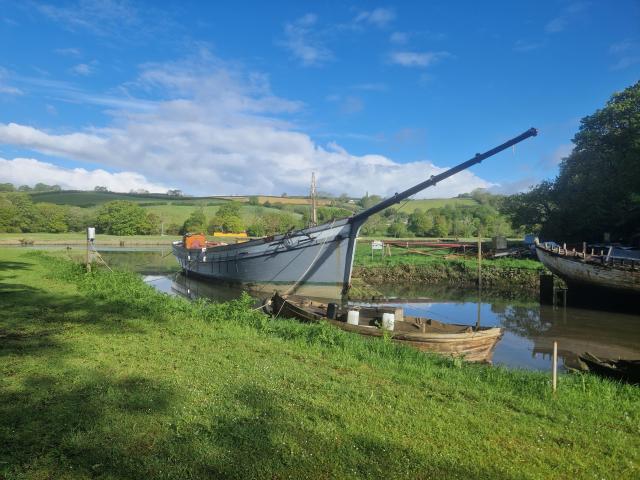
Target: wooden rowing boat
[425, 334]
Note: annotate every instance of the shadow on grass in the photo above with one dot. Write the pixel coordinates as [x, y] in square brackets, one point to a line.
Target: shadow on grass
[14, 266]
[80, 422]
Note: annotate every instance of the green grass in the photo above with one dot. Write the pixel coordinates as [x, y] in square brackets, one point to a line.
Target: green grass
[77, 238]
[437, 256]
[176, 213]
[429, 203]
[102, 377]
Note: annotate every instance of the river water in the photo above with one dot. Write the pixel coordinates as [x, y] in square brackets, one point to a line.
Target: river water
[530, 329]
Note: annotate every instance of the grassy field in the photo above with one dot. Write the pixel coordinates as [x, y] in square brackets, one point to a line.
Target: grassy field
[78, 238]
[176, 213]
[102, 377]
[428, 203]
[430, 256]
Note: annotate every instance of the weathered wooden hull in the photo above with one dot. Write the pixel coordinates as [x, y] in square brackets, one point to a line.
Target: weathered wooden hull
[625, 370]
[428, 336]
[591, 274]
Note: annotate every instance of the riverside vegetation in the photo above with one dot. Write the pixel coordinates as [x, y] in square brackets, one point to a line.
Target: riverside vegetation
[103, 377]
[439, 267]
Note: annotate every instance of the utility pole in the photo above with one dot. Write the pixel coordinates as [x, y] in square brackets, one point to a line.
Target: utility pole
[313, 196]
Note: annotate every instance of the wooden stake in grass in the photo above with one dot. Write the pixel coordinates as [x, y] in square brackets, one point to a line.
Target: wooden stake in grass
[554, 381]
[479, 260]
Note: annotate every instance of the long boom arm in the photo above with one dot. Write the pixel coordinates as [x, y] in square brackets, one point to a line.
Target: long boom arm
[398, 197]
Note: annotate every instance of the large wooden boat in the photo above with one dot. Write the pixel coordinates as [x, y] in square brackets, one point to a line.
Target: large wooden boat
[608, 270]
[319, 256]
[470, 343]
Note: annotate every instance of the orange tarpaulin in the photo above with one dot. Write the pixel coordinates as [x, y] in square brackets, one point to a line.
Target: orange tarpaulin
[194, 240]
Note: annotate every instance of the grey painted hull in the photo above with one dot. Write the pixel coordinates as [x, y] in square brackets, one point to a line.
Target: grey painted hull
[315, 261]
[576, 271]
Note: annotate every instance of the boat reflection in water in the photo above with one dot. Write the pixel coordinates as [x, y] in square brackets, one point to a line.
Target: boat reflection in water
[578, 331]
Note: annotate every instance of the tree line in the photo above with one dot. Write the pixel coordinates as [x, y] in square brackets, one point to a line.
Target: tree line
[597, 189]
[19, 214]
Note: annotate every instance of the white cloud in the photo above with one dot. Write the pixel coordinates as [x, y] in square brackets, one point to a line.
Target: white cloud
[83, 69]
[399, 38]
[568, 14]
[9, 90]
[28, 171]
[626, 53]
[560, 153]
[221, 131]
[556, 25]
[417, 59]
[522, 46]
[379, 17]
[68, 52]
[303, 42]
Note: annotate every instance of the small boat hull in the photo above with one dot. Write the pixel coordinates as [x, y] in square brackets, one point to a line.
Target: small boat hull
[423, 334]
[623, 370]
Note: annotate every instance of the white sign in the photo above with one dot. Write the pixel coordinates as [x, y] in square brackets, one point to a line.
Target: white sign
[377, 245]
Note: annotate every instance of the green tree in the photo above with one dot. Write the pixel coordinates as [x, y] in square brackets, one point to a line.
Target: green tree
[598, 186]
[441, 226]
[254, 200]
[256, 228]
[8, 216]
[121, 217]
[51, 218]
[397, 229]
[7, 187]
[196, 222]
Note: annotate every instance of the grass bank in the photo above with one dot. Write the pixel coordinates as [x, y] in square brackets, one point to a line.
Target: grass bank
[437, 266]
[103, 377]
[80, 238]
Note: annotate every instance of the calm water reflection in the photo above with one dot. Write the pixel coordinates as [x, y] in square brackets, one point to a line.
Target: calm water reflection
[530, 329]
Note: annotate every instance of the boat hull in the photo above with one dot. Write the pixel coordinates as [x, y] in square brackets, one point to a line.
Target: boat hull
[314, 261]
[590, 275]
[444, 339]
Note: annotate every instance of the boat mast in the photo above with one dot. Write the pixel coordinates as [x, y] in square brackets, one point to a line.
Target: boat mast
[313, 194]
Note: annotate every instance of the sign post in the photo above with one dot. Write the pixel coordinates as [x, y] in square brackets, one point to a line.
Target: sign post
[377, 245]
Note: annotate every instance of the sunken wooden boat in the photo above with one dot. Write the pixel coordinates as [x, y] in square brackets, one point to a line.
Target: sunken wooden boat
[616, 271]
[624, 370]
[470, 343]
[315, 261]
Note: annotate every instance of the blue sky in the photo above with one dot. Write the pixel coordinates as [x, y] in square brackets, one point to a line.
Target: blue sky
[250, 97]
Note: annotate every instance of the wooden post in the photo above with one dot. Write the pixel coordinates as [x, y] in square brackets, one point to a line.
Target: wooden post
[546, 290]
[479, 260]
[554, 380]
[88, 261]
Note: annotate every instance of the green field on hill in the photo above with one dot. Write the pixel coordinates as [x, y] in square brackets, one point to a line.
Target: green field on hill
[429, 203]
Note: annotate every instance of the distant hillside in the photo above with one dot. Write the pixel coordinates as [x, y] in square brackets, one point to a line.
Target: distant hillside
[175, 210]
[428, 203]
[80, 198]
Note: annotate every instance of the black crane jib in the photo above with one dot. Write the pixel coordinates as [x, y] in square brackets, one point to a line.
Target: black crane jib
[479, 157]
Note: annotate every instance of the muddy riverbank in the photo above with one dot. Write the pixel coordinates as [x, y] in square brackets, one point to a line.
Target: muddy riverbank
[449, 273]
